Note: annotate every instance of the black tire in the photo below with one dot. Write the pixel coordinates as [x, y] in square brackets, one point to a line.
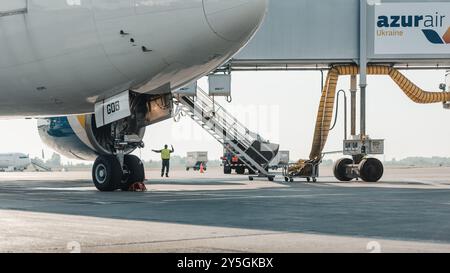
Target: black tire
[339, 169]
[136, 172]
[106, 173]
[271, 178]
[371, 170]
[187, 169]
[240, 170]
[227, 169]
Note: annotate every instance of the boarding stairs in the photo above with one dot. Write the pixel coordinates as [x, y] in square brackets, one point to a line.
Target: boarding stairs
[255, 152]
[38, 166]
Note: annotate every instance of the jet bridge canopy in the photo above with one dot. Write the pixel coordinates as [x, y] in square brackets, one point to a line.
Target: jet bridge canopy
[311, 33]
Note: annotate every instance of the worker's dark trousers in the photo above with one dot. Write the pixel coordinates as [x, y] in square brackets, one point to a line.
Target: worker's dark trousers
[165, 166]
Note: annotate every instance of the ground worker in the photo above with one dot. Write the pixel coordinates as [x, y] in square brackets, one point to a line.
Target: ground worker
[165, 156]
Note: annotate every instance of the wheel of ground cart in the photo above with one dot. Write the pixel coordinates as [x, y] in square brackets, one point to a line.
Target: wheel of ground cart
[371, 170]
[308, 179]
[286, 179]
[271, 178]
[187, 169]
[106, 173]
[314, 180]
[291, 180]
[227, 169]
[135, 172]
[250, 178]
[339, 169]
[240, 170]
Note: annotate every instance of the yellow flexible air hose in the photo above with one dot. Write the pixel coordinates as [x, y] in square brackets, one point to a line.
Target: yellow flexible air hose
[327, 102]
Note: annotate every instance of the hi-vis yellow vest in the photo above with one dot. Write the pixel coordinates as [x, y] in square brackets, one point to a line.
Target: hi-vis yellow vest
[165, 154]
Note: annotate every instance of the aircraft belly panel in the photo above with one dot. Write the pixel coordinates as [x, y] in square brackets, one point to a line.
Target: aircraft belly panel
[63, 56]
[54, 61]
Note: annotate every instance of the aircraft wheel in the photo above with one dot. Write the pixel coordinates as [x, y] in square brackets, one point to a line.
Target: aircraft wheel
[371, 170]
[106, 173]
[339, 169]
[135, 169]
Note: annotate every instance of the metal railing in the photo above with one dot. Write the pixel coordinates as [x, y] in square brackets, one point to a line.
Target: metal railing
[227, 129]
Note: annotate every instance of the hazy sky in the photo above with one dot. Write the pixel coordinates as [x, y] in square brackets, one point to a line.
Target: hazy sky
[282, 106]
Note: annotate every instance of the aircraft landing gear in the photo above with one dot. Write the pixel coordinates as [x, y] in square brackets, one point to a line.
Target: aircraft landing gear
[133, 172]
[368, 169]
[108, 175]
[340, 170]
[114, 141]
[371, 170]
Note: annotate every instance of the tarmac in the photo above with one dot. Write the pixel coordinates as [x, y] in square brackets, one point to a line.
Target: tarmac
[409, 211]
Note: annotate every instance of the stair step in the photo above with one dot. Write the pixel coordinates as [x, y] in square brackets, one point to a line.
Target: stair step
[199, 111]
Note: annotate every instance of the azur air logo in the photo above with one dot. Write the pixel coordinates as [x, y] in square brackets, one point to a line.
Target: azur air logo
[427, 23]
[434, 37]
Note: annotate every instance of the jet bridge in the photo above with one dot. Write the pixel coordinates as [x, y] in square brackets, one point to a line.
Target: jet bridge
[309, 34]
[351, 37]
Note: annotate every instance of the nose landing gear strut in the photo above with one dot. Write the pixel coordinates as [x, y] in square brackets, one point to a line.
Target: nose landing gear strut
[119, 171]
[109, 175]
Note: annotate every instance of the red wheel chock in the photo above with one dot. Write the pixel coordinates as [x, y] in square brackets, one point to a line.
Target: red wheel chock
[138, 187]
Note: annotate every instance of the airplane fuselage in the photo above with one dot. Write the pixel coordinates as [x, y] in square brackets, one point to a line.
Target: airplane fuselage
[59, 57]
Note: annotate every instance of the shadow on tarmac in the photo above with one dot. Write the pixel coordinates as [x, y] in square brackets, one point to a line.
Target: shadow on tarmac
[379, 212]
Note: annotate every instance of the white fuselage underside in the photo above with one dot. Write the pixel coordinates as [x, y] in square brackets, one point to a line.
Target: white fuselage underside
[58, 57]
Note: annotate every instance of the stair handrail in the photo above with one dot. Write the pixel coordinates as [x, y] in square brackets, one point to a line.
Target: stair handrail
[203, 105]
[236, 135]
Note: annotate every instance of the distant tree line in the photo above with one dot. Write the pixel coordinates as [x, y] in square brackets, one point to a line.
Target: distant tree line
[177, 161]
[55, 162]
[420, 162]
